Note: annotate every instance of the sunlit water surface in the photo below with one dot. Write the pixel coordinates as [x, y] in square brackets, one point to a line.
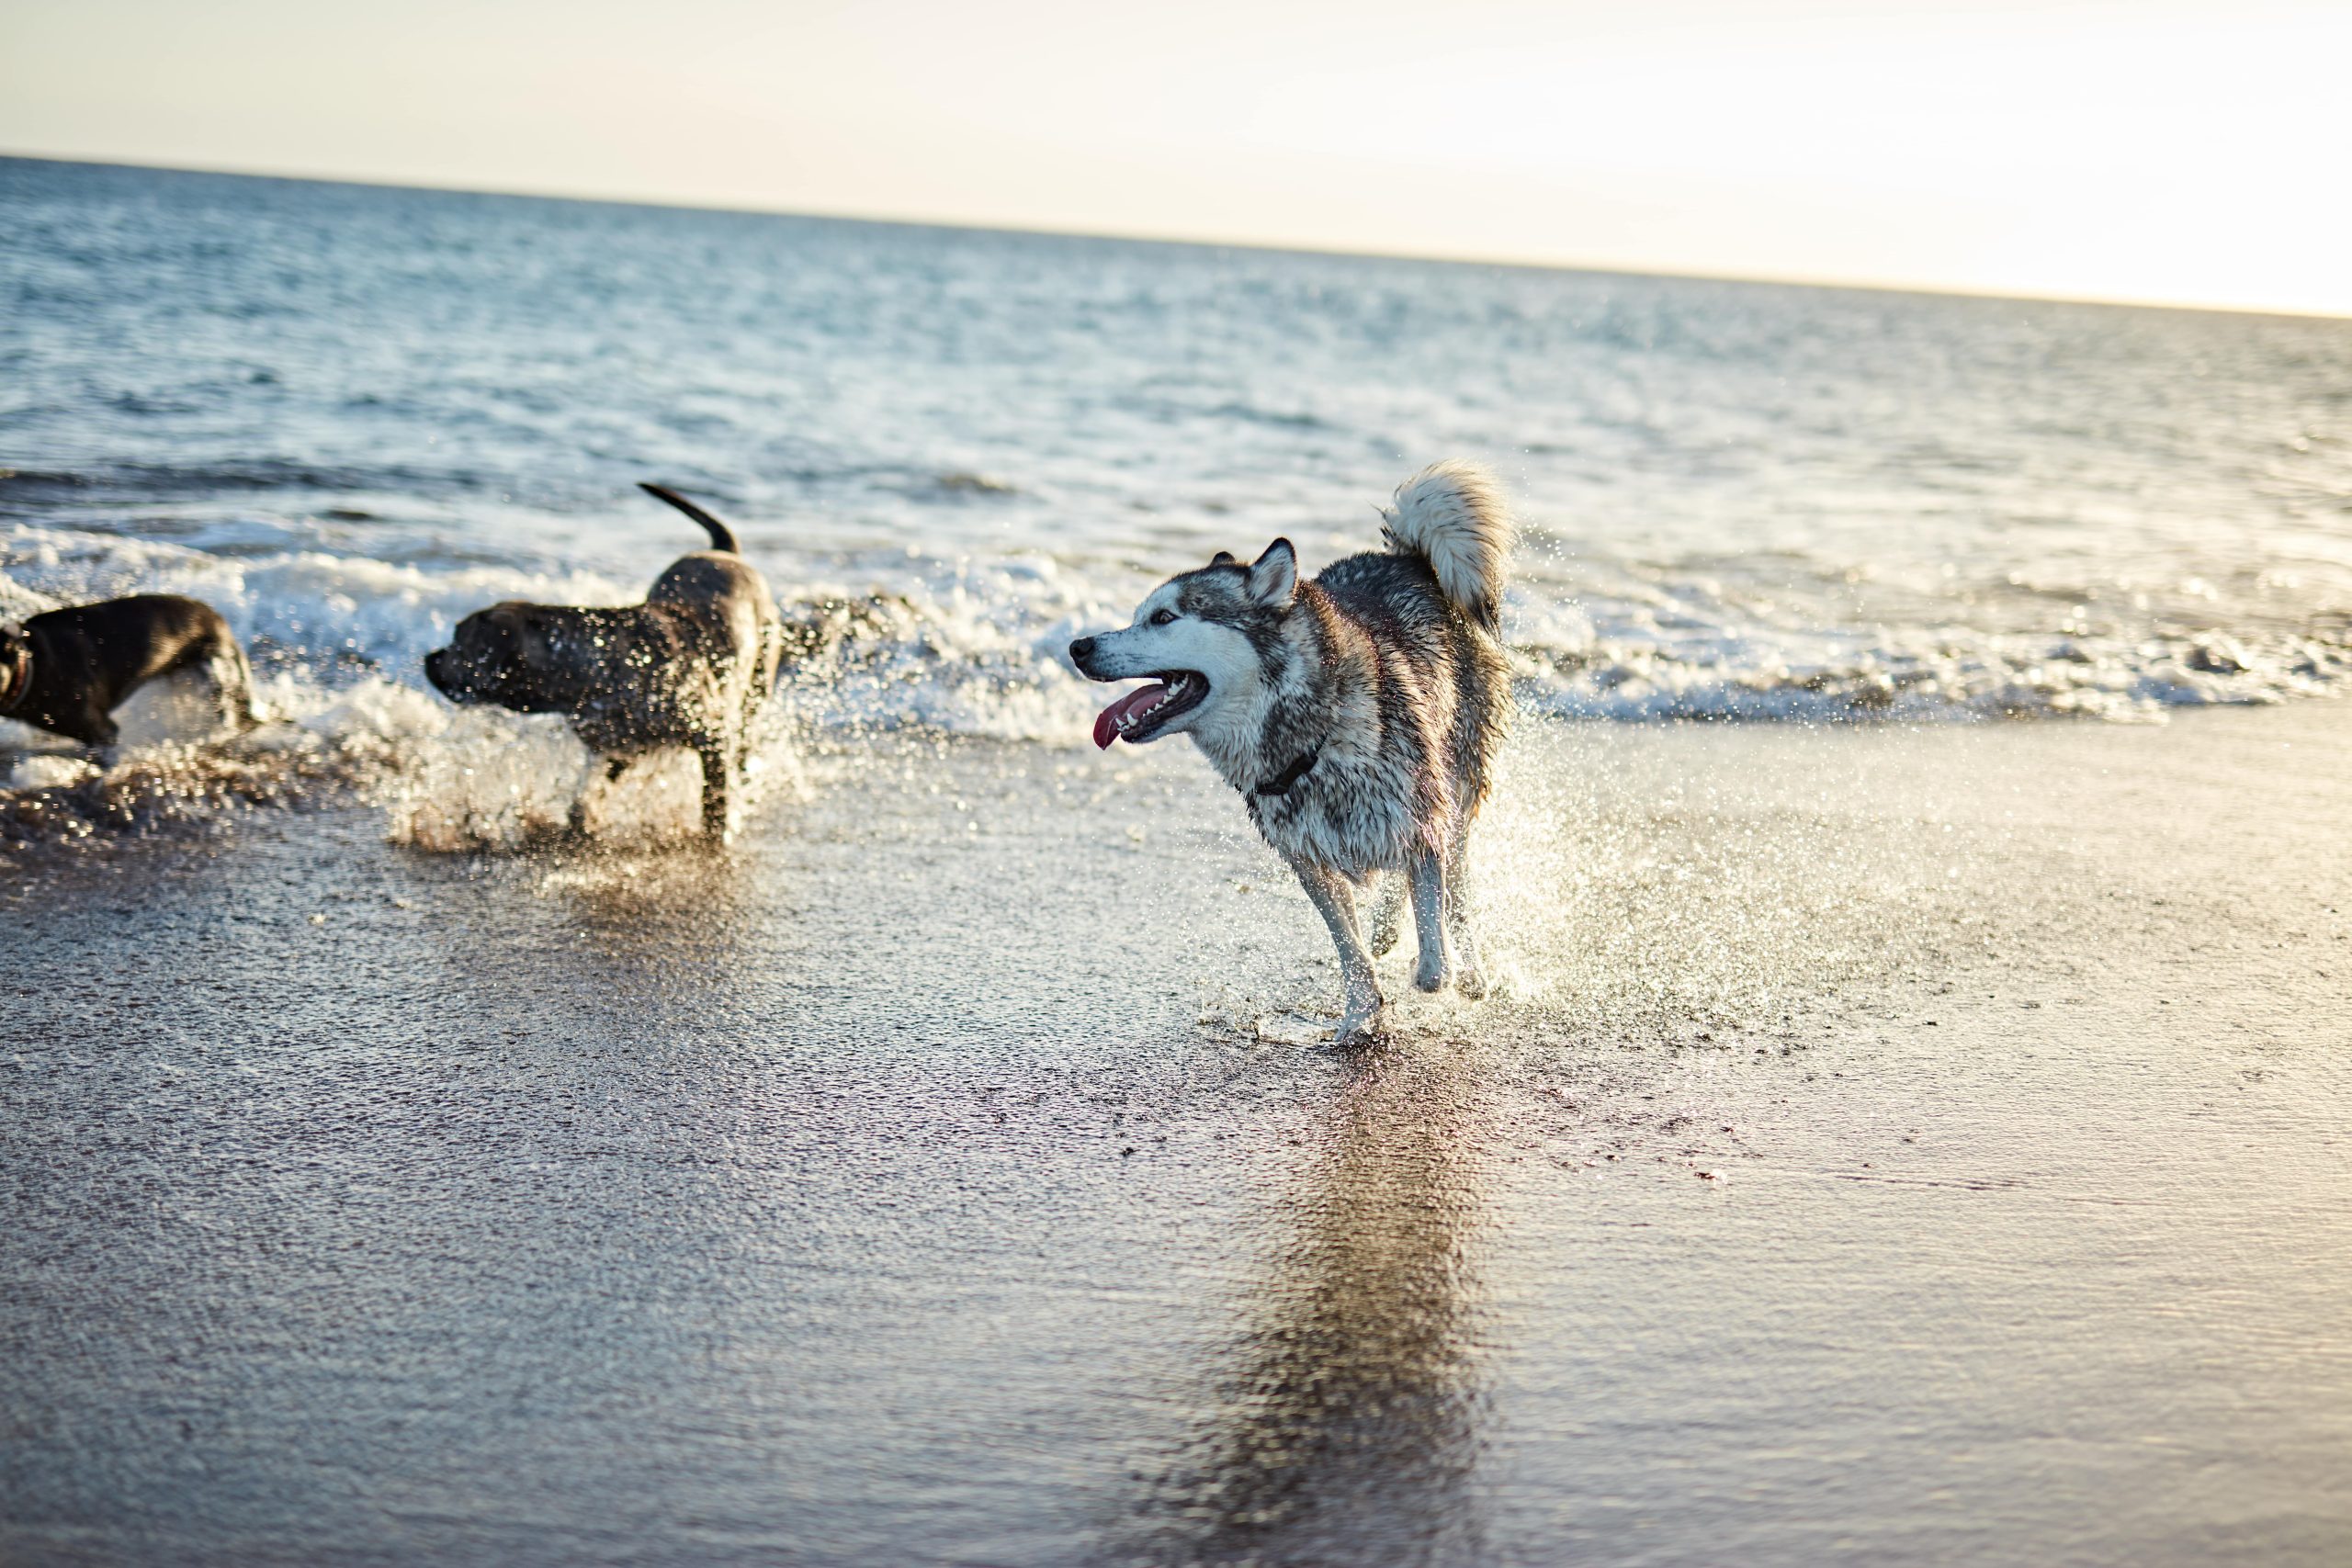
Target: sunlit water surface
[1886, 1141]
[348, 415]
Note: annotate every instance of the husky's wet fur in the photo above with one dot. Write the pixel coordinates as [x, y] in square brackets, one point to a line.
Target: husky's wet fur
[1358, 714]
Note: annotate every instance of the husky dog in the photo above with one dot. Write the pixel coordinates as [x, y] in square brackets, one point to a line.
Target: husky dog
[692, 666]
[67, 670]
[1358, 714]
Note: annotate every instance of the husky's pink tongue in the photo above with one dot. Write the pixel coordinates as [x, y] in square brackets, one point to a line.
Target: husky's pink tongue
[1106, 723]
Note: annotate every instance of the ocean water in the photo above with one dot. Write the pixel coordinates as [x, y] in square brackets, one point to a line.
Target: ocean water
[1897, 1132]
[348, 415]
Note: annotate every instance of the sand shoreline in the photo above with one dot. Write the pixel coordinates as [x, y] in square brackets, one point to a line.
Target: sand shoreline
[1889, 1146]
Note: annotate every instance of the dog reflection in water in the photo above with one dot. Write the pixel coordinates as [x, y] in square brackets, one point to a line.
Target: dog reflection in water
[1341, 1425]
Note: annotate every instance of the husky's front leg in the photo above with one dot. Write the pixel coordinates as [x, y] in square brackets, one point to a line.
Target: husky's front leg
[1428, 922]
[1335, 900]
[1387, 913]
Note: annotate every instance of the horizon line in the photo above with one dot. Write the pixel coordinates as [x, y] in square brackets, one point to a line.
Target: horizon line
[1597, 269]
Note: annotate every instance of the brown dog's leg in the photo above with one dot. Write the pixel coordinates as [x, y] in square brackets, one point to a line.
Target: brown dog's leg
[718, 788]
[611, 772]
[236, 679]
[90, 724]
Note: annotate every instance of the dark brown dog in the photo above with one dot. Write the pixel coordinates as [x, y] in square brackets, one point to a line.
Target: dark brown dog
[67, 670]
[692, 666]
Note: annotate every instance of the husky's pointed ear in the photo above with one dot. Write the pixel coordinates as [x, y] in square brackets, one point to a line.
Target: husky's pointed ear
[1273, 577]
[1223, 558]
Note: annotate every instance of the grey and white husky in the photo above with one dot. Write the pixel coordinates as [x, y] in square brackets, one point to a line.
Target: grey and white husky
[1358, 714]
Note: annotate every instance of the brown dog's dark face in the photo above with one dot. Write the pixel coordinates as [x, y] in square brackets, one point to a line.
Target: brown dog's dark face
[504, 655]
[12, 643]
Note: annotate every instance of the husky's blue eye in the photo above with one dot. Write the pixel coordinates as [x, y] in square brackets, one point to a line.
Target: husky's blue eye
[1162, 617]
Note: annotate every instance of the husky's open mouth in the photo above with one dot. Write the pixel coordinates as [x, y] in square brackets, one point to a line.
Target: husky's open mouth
[1146, 711]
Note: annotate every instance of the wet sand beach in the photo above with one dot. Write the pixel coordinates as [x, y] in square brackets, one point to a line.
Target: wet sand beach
[1888, 1145]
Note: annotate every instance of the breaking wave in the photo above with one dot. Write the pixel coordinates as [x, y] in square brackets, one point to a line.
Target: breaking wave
[2129, 670]
[892, 641]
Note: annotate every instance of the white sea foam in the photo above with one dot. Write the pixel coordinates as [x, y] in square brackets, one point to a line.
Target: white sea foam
[974, 646]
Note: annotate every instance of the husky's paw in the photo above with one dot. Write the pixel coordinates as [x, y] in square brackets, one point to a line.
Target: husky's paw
[1471, 982]
[1364, 1018]
[1432, 972]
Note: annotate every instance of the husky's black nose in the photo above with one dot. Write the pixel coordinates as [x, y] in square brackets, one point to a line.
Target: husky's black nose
[1081, 651]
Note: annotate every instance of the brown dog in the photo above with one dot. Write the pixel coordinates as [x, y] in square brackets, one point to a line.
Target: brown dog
[692, 666]
[67, 670]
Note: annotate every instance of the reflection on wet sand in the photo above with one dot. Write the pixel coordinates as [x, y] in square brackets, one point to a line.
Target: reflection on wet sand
[663, 911]
[1344, 1422]
[645, 931]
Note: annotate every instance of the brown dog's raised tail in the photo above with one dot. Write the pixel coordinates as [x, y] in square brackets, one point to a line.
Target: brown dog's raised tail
[721, 536]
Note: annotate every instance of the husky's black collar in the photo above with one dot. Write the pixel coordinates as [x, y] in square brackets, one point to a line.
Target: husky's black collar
[1287, 780]
[16, 675]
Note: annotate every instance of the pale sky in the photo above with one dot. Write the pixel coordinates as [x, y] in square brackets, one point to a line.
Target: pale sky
[2178, 150]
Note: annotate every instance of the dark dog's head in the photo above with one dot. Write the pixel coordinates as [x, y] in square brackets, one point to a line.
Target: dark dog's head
[510, 656]
[1202, 640]
[16, 650]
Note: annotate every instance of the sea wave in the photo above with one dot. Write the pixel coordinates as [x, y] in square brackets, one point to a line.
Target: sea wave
[2014, 677]
[891, 641]
[120, 481]
[973, 646]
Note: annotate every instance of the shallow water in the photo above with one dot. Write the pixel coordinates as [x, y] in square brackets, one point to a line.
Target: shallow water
[1886, 1145]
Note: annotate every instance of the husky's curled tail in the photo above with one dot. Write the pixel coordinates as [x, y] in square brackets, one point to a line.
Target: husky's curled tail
[1452, 514]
